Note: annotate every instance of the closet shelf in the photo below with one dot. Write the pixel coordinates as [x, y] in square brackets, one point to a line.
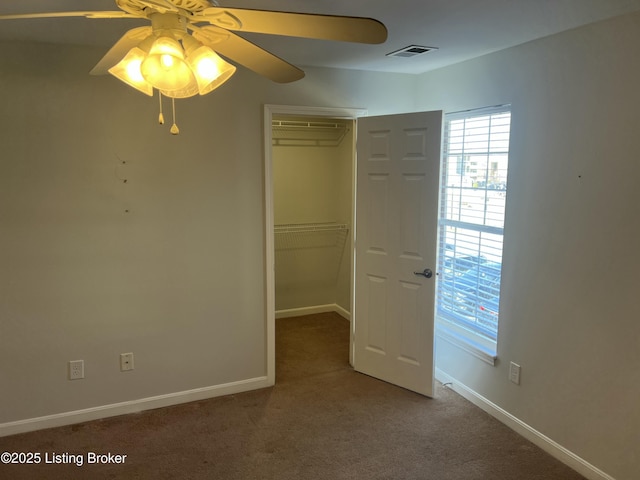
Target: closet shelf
[296, 133]
[302, 236]
[309, 227]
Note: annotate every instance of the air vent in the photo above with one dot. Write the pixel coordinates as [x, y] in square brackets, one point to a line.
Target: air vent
[411, 51]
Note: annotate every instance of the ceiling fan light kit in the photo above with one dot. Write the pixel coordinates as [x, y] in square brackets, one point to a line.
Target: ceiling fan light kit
[167, 58]
[172, 62]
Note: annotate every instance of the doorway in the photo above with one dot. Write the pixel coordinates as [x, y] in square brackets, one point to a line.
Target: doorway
[398, 194]
[309, 216]
[312, 194]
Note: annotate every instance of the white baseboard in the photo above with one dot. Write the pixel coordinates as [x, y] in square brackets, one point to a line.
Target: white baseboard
[133, 406]
[342, 312]
[298, 312]
[545, 443]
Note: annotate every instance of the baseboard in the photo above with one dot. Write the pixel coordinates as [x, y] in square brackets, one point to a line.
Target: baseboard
[133, 406]
[298, 312]
[548, 445]
[342, 312]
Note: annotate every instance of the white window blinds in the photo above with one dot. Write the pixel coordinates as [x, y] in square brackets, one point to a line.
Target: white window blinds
[472, 199]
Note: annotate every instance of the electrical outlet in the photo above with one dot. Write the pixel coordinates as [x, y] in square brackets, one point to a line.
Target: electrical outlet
[514, 373]
[126, 362]
[76, 369]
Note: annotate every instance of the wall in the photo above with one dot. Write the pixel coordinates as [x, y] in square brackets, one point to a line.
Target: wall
[93, 266]
[570, 278]
[313, 184]
[167, 265]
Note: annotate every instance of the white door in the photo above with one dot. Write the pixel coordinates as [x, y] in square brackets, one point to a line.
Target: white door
[398, 163]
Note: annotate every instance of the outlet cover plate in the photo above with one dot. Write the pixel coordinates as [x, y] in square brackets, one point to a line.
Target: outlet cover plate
[76, 369]
[126, 362]
[514, 373]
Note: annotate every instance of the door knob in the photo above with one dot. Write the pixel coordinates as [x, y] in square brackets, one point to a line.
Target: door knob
[426, 273]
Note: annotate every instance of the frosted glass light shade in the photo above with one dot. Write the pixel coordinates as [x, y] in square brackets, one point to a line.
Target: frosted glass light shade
[128, 71]
[165, 68]
[210, 70]
[188, 91]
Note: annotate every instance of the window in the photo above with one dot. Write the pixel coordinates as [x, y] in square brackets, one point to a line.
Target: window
[471, 224]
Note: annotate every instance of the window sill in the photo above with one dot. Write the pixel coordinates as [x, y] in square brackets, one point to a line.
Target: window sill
[466, 340]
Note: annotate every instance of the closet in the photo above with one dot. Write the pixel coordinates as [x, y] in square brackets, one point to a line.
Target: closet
[313, 212]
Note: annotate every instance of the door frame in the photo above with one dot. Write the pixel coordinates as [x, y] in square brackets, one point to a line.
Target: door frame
[269, 266]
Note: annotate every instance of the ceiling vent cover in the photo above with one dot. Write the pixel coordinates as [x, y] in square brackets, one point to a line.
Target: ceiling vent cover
[411, 51]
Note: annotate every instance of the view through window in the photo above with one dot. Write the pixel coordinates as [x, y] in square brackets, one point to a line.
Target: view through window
[471, 222]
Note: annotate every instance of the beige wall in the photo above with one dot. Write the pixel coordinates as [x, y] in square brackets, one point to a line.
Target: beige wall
[569, 300]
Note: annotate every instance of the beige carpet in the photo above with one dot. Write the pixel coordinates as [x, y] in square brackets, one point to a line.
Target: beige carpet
[321, 421]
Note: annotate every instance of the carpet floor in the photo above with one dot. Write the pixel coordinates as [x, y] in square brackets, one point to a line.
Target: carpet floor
[321, 420]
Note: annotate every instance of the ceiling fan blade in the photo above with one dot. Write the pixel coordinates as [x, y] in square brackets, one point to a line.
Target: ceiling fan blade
[129, 40]
[248, 54]
[306, 25]
[87, 14]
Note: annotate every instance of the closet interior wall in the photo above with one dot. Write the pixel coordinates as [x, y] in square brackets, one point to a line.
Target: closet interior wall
[313, 195]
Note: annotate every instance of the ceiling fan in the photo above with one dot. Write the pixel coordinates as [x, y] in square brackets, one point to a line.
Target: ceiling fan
[178, 53]
[213, 26]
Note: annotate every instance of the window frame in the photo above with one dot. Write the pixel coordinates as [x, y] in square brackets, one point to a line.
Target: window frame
[454, 330]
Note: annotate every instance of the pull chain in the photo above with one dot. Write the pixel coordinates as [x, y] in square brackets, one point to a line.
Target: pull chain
[160, 117]
[174, 128]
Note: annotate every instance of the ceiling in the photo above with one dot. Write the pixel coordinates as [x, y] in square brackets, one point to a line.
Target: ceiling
[460, 29]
